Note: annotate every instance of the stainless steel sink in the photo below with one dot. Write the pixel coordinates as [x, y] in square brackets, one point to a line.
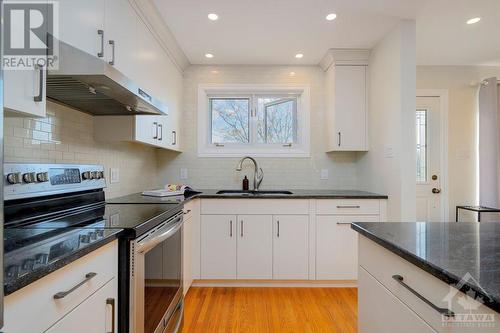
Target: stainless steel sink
[262, 192]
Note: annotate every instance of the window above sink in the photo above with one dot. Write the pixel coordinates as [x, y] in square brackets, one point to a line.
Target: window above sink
[261, 120]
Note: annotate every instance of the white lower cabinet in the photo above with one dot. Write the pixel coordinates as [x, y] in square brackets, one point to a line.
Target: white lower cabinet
[291, 247]
[337, 246]
[254, 247]
[381, 312]
[218, 246]
[103, 308]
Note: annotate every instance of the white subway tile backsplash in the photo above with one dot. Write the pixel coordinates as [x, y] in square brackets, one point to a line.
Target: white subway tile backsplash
[66, 136]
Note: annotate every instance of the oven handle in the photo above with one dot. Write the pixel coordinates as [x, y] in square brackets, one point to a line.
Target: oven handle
[158, 236]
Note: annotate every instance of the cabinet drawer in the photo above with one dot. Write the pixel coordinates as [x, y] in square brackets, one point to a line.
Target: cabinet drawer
[34, 309]
[383, 265]
[348, 206]
[189, 210]
[255, 206]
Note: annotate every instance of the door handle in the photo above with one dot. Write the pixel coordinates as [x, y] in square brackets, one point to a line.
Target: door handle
[155, 125]
[111, 301]
[39, 97]
[160, 137]
[436, 190]
[174, 137]
[278, 225]
[63, 294]
[340, 139]
[343, 223]
[101, 53]
[241, 223]
[112, 43]
[230, 228]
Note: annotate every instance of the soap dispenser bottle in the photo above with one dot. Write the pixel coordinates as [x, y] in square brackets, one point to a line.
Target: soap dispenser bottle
[245, 184]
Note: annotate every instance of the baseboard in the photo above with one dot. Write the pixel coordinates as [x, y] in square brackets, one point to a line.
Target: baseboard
[277, 283]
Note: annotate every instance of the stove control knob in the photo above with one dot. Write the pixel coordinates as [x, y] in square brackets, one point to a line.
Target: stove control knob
[92, 235]
[12, 271]
[28, 264]
[95, 174]
[84, 239]
[87, 175]
[42, 177]
[100, 174]
[29, 177]
[100, 233]
[14, 178]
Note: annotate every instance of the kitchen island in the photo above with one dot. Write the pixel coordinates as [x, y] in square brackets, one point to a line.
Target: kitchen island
[429, 277]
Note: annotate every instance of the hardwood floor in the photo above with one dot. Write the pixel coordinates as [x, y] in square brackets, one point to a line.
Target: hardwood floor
[270, 310]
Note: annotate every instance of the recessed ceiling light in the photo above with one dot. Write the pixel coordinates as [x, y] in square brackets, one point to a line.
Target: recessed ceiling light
[209, 55]
[299, 55]
[473, 20]
[331, 16]
[213, 17]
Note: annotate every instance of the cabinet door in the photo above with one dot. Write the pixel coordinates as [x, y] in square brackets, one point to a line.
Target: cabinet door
[291, 247]
[218, 247]
[120, 26]
[79, 24]
[379, 311]
[350, 108]
[96, 314]
[187, 240]
[255, 247]
[337, 246]
[147, 129]
[165, 139]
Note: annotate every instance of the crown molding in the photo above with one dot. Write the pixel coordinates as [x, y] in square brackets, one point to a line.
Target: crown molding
[150, 15]
[352, 57]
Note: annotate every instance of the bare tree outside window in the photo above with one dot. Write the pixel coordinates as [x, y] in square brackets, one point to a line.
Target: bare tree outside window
[230, 120]
[276, 120]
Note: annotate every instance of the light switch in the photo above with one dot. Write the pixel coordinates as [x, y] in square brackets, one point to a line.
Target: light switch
[324, 174]
[114, 175]
[184, 173]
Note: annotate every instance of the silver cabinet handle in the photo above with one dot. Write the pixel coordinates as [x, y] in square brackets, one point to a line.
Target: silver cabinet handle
[174, 137]
[278, 233]
[241, 231]
[340, 139]
[101, 33]
[39, 97]
[230, 228]
[155, 125]
[111, 301]
[343, 223]
[160, 137]
[443, 311]
[112, 43]
[348, 206]
[63, 294]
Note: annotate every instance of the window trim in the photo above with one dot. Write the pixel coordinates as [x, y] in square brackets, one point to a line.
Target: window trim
[207, 149]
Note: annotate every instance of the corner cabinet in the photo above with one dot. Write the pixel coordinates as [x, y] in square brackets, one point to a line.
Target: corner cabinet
[347, 102]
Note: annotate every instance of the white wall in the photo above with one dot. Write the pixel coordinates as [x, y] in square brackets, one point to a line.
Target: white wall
[279, 172]
[392, 123]
[461, 83]
[66, 136]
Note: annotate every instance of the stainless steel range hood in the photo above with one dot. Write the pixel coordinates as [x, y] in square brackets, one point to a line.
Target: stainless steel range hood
[89, 84]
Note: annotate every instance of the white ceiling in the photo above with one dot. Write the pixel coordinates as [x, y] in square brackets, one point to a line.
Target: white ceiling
[269, 32]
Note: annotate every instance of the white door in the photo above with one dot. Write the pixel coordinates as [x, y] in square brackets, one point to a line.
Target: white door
[94, 315]
[82, 25]
[187, 245]
[147, 129]
[255, 247]
[218, 247]
[337, 246]
[350, 107]
[428, 150]
[291, 247]
[120, 26]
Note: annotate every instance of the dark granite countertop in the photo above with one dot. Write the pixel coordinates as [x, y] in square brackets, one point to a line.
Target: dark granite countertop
[28, 261]
[448, 251]
[212, 194]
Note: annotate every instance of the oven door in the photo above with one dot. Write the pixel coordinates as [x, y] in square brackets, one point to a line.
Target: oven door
[156, 279]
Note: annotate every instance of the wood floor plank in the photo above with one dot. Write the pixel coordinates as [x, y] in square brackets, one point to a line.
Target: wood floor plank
[270, 310]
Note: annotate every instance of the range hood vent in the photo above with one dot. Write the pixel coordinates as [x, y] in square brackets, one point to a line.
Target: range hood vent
[91, 85]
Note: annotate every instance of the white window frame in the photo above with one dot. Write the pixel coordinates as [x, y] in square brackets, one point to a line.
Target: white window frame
[208, 149]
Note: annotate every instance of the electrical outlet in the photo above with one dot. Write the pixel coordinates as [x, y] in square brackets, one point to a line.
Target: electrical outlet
[114, 175]
[324, 174]
[184, 173]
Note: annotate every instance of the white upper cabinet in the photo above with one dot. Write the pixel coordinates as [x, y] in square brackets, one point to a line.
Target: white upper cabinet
[120, 26]
[81, 24]
[347, 108]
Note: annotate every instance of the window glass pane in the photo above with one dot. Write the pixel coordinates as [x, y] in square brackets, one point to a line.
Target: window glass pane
[421, 146]
[230, 120]
[276, 119]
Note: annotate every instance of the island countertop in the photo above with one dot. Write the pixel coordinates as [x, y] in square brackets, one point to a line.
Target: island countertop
[448, 251]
